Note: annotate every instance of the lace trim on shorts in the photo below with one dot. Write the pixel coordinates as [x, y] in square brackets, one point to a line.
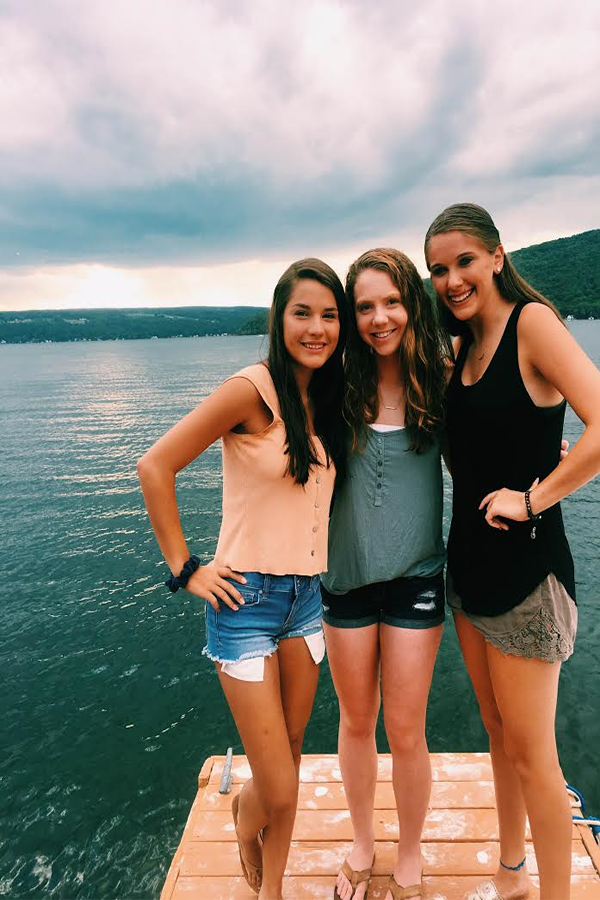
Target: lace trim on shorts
[543, 626]
[540, 638]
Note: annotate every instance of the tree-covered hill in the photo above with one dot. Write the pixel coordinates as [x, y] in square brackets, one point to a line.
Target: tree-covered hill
[566, 271]
[124, 324]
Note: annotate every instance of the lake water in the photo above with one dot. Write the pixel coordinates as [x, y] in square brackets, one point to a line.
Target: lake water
[108, 707]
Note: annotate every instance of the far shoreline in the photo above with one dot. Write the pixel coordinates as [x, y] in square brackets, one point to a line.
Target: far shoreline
[171, 337]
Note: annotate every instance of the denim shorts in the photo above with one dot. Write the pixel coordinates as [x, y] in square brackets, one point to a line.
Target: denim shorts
[276, 607]
[403, 602]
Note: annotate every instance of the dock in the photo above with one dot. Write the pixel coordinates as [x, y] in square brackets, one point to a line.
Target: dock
[460, 839]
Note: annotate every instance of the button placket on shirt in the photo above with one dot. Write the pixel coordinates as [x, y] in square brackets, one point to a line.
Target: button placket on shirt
[379, 468]
[315, 527]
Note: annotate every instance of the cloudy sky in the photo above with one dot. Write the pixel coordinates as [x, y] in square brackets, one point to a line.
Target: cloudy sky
[170, 152]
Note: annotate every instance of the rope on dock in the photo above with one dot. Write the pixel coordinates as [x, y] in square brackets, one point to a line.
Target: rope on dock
[592, 821]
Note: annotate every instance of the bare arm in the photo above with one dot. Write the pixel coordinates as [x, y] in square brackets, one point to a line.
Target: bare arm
[559, 360]
[237, 402]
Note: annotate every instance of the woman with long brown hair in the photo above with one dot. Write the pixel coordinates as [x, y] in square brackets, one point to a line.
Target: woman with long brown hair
[281, 425]
[383, 593]
[510, 571]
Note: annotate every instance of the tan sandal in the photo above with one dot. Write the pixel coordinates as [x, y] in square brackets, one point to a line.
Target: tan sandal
[248, 868]
[404, 893]
[355, 878]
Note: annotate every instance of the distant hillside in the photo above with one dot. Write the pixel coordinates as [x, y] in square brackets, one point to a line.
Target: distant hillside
[126, 324]
[566, 271]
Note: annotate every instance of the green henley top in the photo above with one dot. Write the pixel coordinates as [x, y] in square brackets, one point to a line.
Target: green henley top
[386, 520]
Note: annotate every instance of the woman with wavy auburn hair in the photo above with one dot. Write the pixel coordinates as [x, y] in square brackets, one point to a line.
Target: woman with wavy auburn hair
[383, 593]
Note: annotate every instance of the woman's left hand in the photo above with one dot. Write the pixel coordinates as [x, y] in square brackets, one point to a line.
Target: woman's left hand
[505, 504]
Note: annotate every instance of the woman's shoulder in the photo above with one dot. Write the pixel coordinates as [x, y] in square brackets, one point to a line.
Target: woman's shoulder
[257, 372]
[538, 325]
[260, 376]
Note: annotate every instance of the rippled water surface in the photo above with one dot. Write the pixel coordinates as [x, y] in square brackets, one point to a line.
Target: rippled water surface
[108, 707]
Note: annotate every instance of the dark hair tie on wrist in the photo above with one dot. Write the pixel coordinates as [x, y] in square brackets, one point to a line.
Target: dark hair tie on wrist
[174, 582]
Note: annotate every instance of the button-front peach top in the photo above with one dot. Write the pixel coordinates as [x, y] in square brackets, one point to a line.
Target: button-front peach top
[270, 523]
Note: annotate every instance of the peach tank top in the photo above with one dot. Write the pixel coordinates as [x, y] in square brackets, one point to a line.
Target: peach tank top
[270, 523]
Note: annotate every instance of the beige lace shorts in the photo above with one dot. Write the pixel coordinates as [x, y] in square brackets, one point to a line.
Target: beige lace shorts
[543, 626]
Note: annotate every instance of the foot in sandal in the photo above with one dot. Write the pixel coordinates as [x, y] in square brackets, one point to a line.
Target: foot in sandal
[408, 874]
[507, 884]
[354, 876]
[250, 851]
[404, 892]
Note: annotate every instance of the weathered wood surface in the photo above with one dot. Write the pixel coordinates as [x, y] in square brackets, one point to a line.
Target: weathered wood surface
[460, 840]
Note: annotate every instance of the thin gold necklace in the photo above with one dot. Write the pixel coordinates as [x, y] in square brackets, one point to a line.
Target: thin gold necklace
[385, 406]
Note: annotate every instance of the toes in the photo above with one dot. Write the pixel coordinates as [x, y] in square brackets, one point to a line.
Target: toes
[344, 887]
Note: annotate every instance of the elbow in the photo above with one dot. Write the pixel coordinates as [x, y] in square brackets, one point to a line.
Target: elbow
[152, 470]
[144, 466]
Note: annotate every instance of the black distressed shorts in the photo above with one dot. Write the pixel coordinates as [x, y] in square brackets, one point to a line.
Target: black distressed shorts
[403, 602]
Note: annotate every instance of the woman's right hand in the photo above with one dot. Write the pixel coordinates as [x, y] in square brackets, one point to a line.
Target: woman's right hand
[208, 582]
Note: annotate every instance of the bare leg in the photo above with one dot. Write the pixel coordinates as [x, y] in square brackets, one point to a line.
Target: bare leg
[298, 679]
[407, 661]
[299, 676]
[271, 799]
[507, 785]
[354, 662]
[526, 692]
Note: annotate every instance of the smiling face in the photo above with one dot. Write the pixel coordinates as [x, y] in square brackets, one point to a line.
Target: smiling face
[381, 316]
[462, 272]
[311, 326]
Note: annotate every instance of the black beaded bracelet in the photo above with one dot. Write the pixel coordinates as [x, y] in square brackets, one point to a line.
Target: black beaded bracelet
[532, 516]
[174, 582]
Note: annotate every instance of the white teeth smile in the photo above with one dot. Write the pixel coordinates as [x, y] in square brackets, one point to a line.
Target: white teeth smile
[313, 346]
[383, 334]
[459, 298]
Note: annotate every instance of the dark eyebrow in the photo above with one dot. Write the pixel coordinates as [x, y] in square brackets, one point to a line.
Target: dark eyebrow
[299, 305]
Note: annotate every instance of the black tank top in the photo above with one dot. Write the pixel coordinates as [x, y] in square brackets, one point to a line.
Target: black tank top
[499, 438]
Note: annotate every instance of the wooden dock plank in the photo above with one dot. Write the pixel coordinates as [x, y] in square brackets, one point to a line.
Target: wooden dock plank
[328, 795]
[445, 767]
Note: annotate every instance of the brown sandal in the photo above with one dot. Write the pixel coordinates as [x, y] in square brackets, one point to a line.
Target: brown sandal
[355, 878]
[248, 868]
[404, 893]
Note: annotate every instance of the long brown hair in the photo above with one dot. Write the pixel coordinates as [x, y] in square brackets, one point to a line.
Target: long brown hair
[476, 221]
[326, 388]
[423, 354]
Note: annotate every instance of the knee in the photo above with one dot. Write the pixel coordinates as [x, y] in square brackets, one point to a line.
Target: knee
[531, 757]
[282, 798]
[404, 737]
[359, 724]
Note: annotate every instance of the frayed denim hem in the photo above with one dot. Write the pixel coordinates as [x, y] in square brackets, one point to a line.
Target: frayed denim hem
[306, 632]
[252, 654]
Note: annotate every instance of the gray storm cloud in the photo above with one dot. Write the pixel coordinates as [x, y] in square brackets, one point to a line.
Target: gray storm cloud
[179, 131]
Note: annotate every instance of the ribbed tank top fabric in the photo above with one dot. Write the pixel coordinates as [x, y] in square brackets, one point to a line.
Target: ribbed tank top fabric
[498, 437]
[271, 524]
